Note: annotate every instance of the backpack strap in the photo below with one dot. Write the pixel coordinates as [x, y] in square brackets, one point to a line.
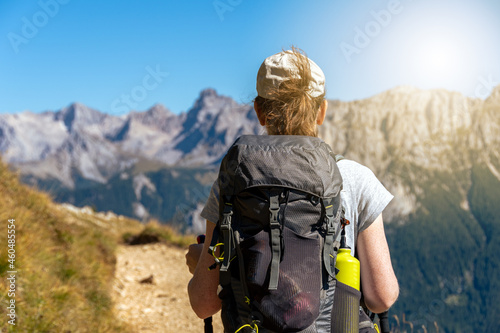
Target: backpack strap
[227, 232]
[330, 231]
[240, 288]
[274, 208]
[332, 235]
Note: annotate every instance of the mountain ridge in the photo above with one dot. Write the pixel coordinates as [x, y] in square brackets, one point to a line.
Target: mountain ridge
[418, 128]
[436, 151]
[69, 137]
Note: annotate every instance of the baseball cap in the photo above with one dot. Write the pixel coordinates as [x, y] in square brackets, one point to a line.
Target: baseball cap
[279, 68]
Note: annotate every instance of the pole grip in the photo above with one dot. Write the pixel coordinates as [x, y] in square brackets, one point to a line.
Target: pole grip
[200, 239]
[384, 322]
[208, 321]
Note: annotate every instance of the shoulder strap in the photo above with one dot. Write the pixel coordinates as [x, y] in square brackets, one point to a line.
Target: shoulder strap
[332, 217]
[274, 223]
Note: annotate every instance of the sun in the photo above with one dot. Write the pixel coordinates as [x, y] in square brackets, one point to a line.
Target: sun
[437, 59]
[443, 47]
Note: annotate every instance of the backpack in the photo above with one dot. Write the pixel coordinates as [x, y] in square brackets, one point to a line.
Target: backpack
[279, 223]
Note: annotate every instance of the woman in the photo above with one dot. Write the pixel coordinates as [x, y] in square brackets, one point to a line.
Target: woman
[291, 101]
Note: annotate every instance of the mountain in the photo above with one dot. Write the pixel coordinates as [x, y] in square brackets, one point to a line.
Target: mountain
[435, 150]
[86, 157]
[403, 130]
[62, 147]
[78, 146]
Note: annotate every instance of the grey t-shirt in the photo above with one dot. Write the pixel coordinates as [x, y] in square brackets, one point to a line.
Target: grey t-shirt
[363, 197]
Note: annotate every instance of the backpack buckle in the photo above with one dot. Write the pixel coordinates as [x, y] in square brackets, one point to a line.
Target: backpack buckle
[330, 220]
[274, 208]
[227, 216]
[273, 218]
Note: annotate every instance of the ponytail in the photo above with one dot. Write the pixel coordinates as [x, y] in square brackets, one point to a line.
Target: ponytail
[291, 110]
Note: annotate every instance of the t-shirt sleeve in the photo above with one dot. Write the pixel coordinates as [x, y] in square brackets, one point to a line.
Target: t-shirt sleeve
[373, 198]
[364, 197]
[211, 210]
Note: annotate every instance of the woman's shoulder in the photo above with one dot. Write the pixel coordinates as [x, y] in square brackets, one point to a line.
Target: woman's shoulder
[353, 171]
[360, 182]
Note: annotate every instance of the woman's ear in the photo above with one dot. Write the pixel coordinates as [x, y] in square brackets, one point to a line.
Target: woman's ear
[260, 115]
[322, 112]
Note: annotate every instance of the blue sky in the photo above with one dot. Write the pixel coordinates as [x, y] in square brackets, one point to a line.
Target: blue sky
[118, 56]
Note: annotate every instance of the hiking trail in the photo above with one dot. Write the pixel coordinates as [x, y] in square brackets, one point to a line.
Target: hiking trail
[159, 304]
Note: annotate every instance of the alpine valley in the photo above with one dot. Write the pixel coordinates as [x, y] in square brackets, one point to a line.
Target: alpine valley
[437, 151]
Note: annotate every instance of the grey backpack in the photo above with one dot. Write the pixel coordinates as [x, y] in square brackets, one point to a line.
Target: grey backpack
[277, 235]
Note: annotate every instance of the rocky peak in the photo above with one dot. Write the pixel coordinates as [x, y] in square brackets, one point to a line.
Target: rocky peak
[494, 97]
[206, 108]
[416, 126]
[156, 116]
[77, 114]
[208, 92]
[158, 111]
[209, 101]
[205, 98]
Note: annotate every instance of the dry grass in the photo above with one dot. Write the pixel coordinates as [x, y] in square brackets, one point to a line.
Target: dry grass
[163, 233]
[64, 261]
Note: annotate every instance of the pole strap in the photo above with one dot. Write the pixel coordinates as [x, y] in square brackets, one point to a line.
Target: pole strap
[227, 234]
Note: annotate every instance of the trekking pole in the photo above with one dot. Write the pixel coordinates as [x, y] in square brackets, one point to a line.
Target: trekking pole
[208, 321]
[384, 322]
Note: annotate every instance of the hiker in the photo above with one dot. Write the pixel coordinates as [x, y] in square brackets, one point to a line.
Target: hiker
[291, 101]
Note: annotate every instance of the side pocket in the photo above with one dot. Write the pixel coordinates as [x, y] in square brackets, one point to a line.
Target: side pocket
[256, 258]
[345, 310]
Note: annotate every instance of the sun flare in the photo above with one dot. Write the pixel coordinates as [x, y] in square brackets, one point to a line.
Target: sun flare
[437, 60]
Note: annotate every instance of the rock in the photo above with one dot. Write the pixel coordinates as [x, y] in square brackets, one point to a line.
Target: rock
[148, 280]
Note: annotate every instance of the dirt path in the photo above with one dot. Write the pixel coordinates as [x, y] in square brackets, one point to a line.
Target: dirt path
[160, 306]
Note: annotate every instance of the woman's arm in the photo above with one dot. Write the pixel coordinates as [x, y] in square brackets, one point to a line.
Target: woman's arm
[378, 281]
[202, 288]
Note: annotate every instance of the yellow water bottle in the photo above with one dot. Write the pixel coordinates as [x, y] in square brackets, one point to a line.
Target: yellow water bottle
[347, 266]
[345, 311]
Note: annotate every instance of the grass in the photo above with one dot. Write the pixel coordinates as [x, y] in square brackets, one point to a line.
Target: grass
[64, 261]
[163, 233]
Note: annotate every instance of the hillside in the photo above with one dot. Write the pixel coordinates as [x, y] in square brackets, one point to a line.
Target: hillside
[63, 265]
[74, 273]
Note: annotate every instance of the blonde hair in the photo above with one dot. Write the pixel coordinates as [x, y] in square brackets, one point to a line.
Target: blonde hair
[292, 111]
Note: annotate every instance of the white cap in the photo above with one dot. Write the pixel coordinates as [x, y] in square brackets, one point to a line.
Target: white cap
[279, 68]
